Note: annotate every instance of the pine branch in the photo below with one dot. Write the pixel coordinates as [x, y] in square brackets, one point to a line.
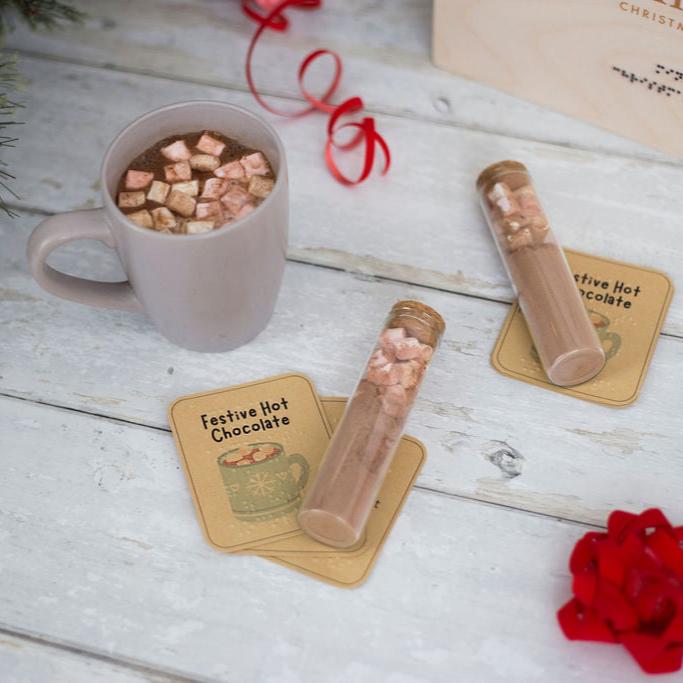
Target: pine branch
[37, 13]
[9, 81]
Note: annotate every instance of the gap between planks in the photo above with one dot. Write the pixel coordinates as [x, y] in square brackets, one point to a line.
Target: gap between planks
[223, 85]
[159, 675]
[369, 276]
[419, 487]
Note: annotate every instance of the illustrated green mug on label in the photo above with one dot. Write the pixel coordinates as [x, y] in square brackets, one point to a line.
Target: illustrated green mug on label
[611, 341]
[260, 481]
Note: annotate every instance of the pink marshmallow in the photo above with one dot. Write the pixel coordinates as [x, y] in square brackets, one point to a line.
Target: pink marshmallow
[408, 348]
[214, 188]
[261, 187]
[501, 196]
[245, 210]
[138, 180]
[379, 358]
[528, 202]
[178, 172]
[410, 373]
[164, 220]
[210, 145]
[181, 203]
[391, 336]
[177, 151]
[130, 200]
[142, 218]
[204, 162]
[254, 164]
[234, 199]
[232, 171]
[209, 210]
[158, 192]
[384, 375]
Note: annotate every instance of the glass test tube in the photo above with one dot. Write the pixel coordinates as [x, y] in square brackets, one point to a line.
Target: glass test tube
[336, 509]
[565, 339]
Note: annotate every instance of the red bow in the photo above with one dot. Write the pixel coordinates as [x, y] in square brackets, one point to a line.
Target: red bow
[268, 14]
[628, 589]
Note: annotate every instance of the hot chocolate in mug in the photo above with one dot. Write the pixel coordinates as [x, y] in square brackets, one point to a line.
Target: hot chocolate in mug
[207, 292]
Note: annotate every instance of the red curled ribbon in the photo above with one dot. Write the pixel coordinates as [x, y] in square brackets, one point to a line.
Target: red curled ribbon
[271, 17]
[628, 589]
[278, 22]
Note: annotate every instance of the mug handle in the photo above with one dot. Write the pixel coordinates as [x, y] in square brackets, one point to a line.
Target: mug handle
[298, 459]
[614, 344]
[67, 227]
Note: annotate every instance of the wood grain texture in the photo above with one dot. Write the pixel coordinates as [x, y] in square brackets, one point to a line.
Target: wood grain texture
[488, 437]
[386, 48]
[26, 659]
[572, 57]
[99, 549]
[454, 596]
[421, 224]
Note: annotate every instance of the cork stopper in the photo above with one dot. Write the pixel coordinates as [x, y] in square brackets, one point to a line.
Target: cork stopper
[419, 320]
[493, 173]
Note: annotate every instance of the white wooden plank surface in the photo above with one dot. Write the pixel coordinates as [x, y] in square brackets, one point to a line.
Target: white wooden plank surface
[421, 224]
[28, 660]
[385, 46]
[99, 549]
[115, 364]
[455, 595]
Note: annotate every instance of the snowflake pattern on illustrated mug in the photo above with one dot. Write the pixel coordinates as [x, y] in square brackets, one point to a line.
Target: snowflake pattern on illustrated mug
[262, 481]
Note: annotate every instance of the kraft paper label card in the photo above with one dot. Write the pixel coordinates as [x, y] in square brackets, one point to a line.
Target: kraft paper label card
[627, 305]
[348, 569]
[248, 453]
[407, 462]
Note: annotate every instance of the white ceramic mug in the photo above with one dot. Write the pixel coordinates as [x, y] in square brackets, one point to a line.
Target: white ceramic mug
[207, 292]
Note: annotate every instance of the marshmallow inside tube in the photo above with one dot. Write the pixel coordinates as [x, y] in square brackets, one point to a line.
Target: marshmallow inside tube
[337, 507]
[564, 337]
